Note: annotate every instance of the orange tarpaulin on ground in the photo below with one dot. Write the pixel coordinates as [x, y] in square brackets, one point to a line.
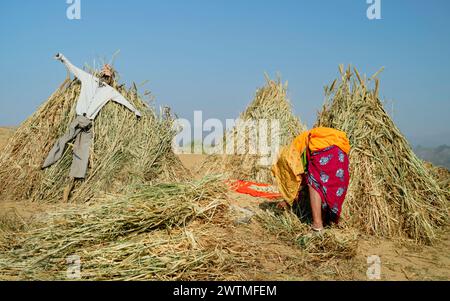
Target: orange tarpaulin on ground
[258, 190]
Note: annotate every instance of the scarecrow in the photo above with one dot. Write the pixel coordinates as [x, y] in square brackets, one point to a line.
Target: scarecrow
[319, 159]
[95, 94]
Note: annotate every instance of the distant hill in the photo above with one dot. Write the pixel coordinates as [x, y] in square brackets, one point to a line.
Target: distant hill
[439, 156]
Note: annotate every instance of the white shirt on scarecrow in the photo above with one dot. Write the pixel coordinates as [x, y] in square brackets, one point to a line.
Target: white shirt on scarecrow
[94, 95]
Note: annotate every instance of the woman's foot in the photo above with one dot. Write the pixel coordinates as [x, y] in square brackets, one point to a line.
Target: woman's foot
[317, 227]
[317, 224]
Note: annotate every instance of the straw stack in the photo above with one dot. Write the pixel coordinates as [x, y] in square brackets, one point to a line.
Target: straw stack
[441, 174]
[271, 104]
[135, 236]
[391, 193]
[125, 150]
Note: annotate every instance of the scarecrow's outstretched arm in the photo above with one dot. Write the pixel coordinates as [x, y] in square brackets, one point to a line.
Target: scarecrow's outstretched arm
[77, 72]
[120, 99]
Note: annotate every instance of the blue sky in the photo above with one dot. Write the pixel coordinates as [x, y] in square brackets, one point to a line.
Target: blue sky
[211, 55]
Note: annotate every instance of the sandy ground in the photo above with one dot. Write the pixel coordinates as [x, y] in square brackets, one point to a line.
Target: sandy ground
[192, 162]
[275, 260]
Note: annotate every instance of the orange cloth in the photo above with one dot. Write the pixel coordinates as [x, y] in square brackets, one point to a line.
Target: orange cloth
[320, 138]
[258, 190]
[289, 168]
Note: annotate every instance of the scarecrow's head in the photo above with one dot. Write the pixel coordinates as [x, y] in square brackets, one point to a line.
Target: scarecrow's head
[107, 75]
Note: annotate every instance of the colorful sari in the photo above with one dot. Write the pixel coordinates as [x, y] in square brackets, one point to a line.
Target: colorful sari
[290, 166]
[328, 173]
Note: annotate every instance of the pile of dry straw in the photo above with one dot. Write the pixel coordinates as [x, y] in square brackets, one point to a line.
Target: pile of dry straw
[270, 103]
[135, 236]
[125, 150]
[332, 243]
[127, 220]
[441, 174]
[391, 193]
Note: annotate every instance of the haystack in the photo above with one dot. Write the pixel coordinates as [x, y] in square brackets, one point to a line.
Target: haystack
[125, 150]
[272, 104]
[442, 176]
[391, 193]
[139, 235]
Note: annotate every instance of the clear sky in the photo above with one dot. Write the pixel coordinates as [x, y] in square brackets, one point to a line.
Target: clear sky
[211, 55]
